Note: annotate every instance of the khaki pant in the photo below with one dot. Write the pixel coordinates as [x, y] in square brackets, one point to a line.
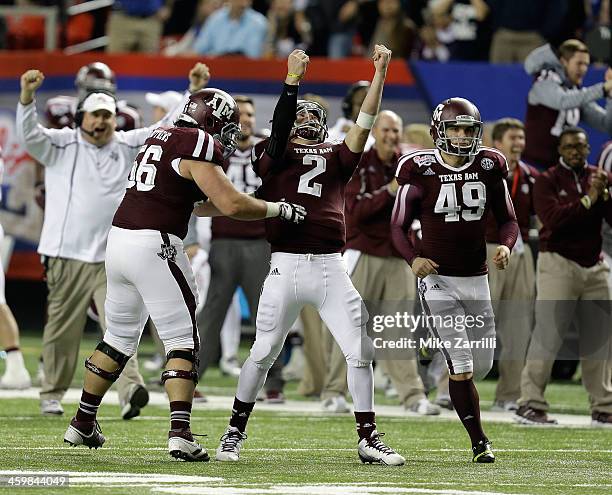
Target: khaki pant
[72, 284]
[512, 295]
[510, 46]
[133, 34]
[380, 279]
[564, 282]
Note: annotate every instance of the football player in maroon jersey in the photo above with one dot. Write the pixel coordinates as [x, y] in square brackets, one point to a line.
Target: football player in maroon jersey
[306, 266]
[451, 190]
[147, 269]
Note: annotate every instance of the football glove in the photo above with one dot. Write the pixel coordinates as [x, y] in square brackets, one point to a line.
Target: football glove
[291, 212]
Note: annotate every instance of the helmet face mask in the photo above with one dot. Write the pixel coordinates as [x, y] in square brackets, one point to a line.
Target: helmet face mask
[452, 114]
[215, 112]
[310, 122]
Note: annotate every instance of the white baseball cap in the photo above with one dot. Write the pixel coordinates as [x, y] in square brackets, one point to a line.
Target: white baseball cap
[99, 101]
[166, 100]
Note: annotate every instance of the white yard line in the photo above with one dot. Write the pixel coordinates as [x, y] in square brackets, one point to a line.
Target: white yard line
[224, 403]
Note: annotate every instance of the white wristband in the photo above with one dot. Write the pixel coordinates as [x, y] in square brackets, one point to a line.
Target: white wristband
[273, 210]
[365, 120]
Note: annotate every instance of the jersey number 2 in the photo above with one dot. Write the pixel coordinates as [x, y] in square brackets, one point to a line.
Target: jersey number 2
[315, 189]
[447, 202]
[143, 173]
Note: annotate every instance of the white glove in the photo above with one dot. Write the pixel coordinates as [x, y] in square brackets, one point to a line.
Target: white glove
[291, 212]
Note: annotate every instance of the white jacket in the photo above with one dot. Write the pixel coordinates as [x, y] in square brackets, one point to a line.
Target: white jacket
[84, 183]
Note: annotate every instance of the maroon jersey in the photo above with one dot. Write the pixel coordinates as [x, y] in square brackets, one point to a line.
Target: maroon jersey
[369, 205]
[157, 197]
[452, 204]
[543, 125]
[568, 228]
[520, 184]
[313, 176]
[239, 170]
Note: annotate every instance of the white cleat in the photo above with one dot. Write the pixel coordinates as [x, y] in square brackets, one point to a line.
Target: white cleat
[230, 366]
[186, 450]
[231, 443]
[373, 450]
[16, 380]
[335, 405]
[74, 436]
[424, 408]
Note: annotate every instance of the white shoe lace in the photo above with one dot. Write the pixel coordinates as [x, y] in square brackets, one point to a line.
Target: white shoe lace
[375, 442]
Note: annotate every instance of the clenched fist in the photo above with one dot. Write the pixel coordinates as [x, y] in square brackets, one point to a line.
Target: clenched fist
[297, 62]
[30, 82]
[501, 258]
[381, 57]
[199, 76]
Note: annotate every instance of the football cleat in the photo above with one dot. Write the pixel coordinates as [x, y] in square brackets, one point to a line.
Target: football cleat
[483, 452]
[138, 398]
[336, 405]
[529, 416]
[187, 450]
[231, 443]
[424, 408]
[76, 434]
[373, 450]
[16, 380]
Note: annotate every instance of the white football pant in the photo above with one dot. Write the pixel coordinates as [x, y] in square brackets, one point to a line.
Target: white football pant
[447, 301]
[322, 281]
[145, 278]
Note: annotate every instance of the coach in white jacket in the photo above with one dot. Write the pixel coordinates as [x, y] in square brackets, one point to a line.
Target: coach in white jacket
[85, 179]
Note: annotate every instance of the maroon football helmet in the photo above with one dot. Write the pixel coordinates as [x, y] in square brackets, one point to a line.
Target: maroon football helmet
[95, 77]
[59, 111]
[313, 128]
[215, 112]
[128, 117]
[456, 112]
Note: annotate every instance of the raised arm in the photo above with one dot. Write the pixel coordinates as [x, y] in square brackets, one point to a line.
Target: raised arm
[38, 141]
[358, 134]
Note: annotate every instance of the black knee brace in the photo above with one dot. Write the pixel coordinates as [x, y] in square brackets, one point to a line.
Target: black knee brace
[185, 375]
[120, 358]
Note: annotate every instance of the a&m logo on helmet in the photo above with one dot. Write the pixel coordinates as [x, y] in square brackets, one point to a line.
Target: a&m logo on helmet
[221, 106]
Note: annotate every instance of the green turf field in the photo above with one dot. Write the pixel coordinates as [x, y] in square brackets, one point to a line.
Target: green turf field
[307, 454]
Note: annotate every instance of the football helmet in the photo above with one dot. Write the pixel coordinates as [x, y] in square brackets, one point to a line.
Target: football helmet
[310, 121]
[95, 77]
[215, 112]
[59, 111]
[128, 116]
[456, 112]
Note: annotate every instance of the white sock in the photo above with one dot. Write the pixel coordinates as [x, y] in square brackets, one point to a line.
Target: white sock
[361, 386]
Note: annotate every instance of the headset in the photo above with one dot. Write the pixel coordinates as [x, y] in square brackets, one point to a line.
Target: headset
[78, 115]
[347, 101]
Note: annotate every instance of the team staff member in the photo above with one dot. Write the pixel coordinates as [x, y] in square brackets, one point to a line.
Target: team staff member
[85, 179]
[377, 270]
[557, 99]
[517, 282]
[571, 200]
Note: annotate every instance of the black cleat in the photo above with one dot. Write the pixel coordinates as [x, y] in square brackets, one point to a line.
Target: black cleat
[138, 398]
[483, 452]
[75, 435]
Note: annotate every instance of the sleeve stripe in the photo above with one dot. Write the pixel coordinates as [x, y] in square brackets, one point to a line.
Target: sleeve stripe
[199, 144]
[605, 161]
[210, 147]
[399, 209]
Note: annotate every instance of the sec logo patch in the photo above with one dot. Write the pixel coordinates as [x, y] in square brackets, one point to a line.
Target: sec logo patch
[487, 163]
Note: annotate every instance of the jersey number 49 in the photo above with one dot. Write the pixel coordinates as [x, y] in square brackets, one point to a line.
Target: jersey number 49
[474, 201]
